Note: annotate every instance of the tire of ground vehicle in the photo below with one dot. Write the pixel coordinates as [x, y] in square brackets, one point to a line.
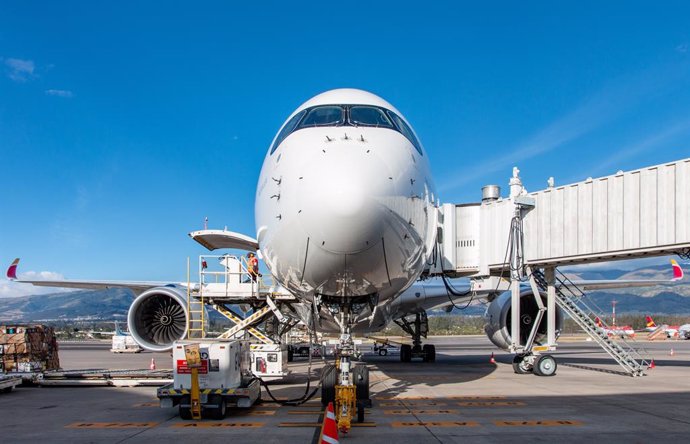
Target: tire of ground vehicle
[520, 366]
[383, 352]
[545, 366]
[220, 412]
[405, 353]
[360, 412]
[360, 376]
[185, 412]
[328, 381]
[429, 353]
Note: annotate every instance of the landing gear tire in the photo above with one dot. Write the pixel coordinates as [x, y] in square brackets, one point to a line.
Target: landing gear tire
[383, 352]
[545, 366]
[360, 376]
[329, 376]
[405, 353]
[429, 353]
[221, 411]
[520, 365]
[360, 412]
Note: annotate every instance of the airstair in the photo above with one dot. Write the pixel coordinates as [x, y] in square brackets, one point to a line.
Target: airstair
[574, 302]
[224, 282]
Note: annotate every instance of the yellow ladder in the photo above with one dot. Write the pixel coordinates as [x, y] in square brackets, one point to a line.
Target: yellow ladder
[196, 322]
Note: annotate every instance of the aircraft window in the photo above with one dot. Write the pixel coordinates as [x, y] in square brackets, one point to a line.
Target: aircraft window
[405, 129]
[369, 116]
[329, 115]
[287, 129]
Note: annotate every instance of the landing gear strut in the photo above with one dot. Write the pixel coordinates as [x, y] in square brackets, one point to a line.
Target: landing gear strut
[418, 329]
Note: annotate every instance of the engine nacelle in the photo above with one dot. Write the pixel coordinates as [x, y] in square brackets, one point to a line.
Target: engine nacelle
[498, 321]
[158, 317]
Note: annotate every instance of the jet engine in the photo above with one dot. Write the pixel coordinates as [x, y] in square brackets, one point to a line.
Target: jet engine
[498, 319]
[158, 317]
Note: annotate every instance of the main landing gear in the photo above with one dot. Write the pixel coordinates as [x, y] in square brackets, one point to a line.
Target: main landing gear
[417, 328]
[540, 365]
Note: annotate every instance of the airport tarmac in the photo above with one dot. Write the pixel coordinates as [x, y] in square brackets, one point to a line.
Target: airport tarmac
[462, 397]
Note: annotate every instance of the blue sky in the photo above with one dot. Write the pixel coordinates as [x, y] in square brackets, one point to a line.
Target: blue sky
[123, 125]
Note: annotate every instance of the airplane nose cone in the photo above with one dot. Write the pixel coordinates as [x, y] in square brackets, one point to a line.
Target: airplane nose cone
[341, 199]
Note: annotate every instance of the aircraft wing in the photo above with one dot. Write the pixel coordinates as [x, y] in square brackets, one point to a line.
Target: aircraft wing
[137, 287]
[620, 283]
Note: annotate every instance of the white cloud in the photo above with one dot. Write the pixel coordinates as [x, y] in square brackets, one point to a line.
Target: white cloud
[20, 70]
[11, 289]
[66, 94]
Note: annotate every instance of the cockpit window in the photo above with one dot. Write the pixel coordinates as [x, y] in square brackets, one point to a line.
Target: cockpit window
[287, 129]
[369, 116]
[350, 115]
[405, 129]
[323, 116]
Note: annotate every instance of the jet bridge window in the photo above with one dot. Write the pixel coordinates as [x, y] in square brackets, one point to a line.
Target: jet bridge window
[369, 116]
[405, 129]
[329, 115]
[287, 129]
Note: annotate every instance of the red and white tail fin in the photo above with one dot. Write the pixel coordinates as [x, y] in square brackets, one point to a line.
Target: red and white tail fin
[12, 270]
[598, 322]
[677, 271]
[650, 322]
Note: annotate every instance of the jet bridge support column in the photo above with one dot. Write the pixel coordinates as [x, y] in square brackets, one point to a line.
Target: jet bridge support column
[550, 274]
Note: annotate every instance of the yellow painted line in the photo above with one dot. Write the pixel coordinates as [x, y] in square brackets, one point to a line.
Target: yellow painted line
[436, 424]
[420, 412]
[111, 425]
[256, 413]
[413, 404]
[490, 403]
[469, 398]
[217, 425]
[147, 404]
[544, 423]
[409, 398]
[318, 424]
[305, 412]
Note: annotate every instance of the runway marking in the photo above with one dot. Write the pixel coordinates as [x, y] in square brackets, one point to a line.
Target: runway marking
[436, 424]
[147, 404]
[218, 425]
[420, 412]
[414, 404]
[318, 424]
[544, 423]
[111, 425]
[490, 403]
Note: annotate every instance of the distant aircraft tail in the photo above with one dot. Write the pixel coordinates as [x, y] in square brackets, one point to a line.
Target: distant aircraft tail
[12, 270]
[650, 322]
[677, 271]
[118, 331]
[598, 322]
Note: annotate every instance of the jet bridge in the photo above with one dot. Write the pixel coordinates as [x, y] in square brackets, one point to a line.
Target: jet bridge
[503, 242]
[627, 215]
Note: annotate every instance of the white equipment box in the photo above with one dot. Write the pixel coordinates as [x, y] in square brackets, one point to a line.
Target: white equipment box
[269, 361]
[221, 364]
[124, 344]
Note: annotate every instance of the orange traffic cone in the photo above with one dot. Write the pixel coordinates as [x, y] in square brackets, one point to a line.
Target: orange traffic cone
[153, 364]
[329, 428]
[652, 364]
[492, 360]
[672, 353]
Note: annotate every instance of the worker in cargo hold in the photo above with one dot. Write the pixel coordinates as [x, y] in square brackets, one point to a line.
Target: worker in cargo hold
[253, 266]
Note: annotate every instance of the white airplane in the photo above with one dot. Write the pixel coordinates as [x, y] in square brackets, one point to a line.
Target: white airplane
[346, 214]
